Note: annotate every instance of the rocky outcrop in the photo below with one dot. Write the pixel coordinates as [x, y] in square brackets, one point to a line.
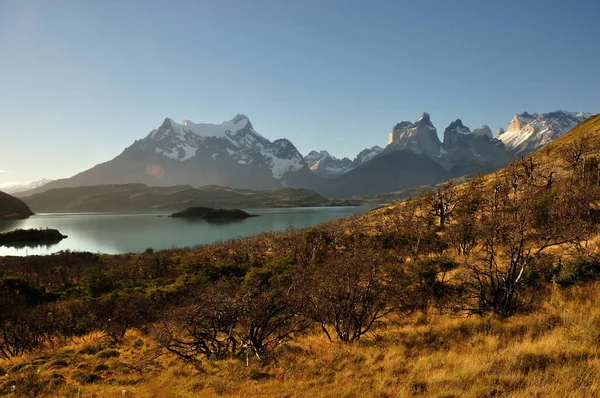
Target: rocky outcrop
[522, 122]
[420, 137]
[484, 131]
[455, 134]
[465, 152]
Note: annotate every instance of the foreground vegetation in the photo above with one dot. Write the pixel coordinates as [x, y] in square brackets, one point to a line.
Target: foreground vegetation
[553, 352]
[483, 289]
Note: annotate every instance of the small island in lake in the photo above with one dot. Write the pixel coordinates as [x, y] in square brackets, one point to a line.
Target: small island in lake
[208, 213]
[20, 236]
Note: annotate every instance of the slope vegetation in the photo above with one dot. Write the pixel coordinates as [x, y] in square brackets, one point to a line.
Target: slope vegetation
[484, 289]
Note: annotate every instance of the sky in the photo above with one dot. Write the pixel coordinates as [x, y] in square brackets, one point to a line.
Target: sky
[82, 80]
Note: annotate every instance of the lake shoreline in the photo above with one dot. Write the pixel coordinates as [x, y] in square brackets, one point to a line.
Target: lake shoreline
[134, 232]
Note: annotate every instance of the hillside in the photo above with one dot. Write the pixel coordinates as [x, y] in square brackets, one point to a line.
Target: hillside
[483, 289]
[137, 197]
[12, 208]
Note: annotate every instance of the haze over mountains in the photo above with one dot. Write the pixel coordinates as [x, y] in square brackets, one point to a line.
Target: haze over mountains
[234, 154]
[19, 187]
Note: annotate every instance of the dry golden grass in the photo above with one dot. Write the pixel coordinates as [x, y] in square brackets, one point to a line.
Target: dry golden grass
[553, 352]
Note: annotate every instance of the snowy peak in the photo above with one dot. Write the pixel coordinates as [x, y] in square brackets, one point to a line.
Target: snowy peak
[11, 188]
[240, 118]
[366, 154]
[232, 142]
[327, 166]
[529, 132]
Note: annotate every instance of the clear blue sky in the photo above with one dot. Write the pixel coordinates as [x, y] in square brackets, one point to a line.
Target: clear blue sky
[81, 80]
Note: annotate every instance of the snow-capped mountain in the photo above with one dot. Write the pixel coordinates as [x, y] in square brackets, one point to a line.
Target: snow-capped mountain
[416, 156]
[325, 165]
[234, 140]
[231, 154]
[20, 187]
[529, 132]
[234, 154]
[365, 155]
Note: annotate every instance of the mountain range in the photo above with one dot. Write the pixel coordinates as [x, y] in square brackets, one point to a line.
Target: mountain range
[20, 187]
[234, 154]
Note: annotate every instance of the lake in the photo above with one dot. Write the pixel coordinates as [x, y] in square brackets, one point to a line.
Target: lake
[115, 233]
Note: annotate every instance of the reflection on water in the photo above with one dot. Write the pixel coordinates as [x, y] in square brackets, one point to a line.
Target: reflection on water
[134, 232]
[30, 245]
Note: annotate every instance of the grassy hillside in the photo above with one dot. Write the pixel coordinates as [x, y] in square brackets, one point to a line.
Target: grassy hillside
[552, 352]
[484, 289]
[136, 197]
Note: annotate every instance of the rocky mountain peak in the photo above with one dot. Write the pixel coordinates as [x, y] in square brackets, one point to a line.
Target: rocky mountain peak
[420, 137]
[239, 118]
[484, 131]
[528, 132]
[425, 120]
[326, 165]
[500, 132]
[458, 127]
[453, 135]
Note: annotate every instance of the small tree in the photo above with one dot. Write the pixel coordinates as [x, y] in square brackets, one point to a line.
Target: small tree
[443, 201]
[349, 294]
[234, 317]
[514, 238]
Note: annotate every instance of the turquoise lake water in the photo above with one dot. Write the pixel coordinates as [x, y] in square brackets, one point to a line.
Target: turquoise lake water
[114, 233]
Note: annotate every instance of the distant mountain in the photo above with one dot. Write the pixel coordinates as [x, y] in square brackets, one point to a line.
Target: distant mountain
[12, 208]
[464, 152]
[415, 156]
[365, 155]
[17, 187]
[419, 137]
[327, 166]
[393, 170]
[134, 197]
[234, 154]
[231, 154]
[529, 132]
